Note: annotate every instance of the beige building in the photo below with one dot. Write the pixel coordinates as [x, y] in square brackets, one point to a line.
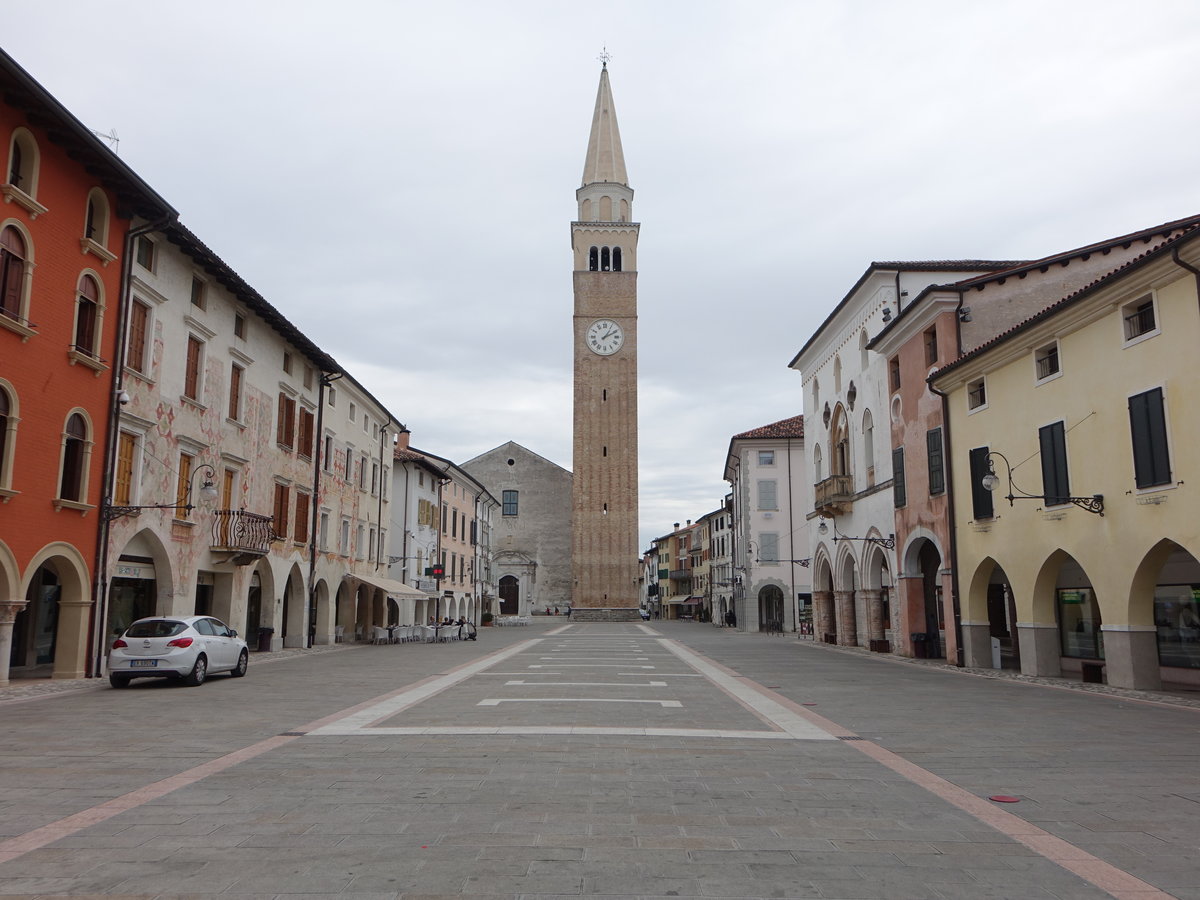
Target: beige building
[604, 508]
[1081, 420]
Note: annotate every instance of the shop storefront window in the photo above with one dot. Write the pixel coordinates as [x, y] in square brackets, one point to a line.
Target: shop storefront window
[1177, 618]
[1079, 623]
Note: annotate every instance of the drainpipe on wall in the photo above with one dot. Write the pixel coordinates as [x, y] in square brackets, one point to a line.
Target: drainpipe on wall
[379, 554]
[1179, 262]
[99, 609]
[792, 544]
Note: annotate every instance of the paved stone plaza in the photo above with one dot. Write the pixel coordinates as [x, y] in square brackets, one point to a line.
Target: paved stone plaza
[559, 760]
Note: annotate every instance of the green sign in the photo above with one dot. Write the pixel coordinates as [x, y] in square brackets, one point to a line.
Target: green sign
[1070, 596]
[664, 574]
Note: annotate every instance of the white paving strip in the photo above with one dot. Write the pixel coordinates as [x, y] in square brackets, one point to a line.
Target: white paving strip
[764, 706]
[386, 708]
[496, 701]
[591, 683]
[563, 665]
[628, 658]
[588, 730]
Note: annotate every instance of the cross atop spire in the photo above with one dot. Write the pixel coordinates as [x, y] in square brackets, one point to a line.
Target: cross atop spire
[604, 57]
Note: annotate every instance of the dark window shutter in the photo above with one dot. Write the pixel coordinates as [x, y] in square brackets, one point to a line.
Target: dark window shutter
[937, 471]
[1053, 443]
[1148, 425]
[899, 493]
[981, 497]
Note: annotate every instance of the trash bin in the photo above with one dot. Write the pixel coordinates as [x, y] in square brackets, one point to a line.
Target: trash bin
[920, 650]
[264, 639]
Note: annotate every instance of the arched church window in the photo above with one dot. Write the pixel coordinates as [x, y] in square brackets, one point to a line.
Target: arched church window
[594, 259]
[73, 460]
[605, 262]
[616, 259]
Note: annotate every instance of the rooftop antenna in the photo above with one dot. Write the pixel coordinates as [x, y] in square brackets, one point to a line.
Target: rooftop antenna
[113, 140]
[604, 56]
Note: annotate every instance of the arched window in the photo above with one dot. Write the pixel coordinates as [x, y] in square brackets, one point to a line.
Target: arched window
[818, 471]
[837, 375]
[8, 435]
[594, 259]
[839, 448]
[606, 209]
[624, 210]
[23, 163]
[87, 317]
[73, 483]
[95, 226]
[12, 273]
[605, 262]
[863, 340]
[616, 259]
[869, 445]
[585, 213]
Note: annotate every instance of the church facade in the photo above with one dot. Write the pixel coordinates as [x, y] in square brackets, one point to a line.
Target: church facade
[604, 507]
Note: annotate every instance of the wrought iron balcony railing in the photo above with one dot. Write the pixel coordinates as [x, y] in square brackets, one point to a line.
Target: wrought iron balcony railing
[238, 531]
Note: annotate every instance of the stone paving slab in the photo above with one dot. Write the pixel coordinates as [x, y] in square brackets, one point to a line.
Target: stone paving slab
[617, 815]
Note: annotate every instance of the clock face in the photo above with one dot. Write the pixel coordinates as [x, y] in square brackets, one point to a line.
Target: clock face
[604, 336]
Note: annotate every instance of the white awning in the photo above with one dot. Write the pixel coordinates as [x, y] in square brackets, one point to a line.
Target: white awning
[396, 589]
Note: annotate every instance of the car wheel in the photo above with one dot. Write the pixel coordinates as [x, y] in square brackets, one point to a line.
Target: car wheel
[240, 669]
[118, 681]
[195, 678]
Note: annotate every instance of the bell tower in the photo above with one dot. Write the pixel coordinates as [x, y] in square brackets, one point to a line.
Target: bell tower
[604, 507]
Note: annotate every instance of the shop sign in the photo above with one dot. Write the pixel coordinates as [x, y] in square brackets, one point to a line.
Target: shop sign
[1070, 596]
[125, 570]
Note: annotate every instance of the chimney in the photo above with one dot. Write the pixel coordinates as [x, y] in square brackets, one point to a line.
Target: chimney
[402, 437]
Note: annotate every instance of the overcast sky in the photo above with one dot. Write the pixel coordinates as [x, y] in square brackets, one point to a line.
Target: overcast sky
[398, 178]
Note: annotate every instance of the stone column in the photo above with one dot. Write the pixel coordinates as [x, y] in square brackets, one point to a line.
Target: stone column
[977, 644]
[822, 614]
[1131, 656]
[8, 615]
[70, 648]
[847, 623]
[1040, 650]
[873, 599]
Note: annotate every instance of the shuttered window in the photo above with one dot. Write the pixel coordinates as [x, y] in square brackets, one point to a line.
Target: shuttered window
[937, 467]
[1148, 426]
[191, 382]
[135, 354]
[123, 489]
[300, 531]
[12, 271]
[981, 497]
[1052, 441]
[235, 392]
[285, 428]
[767, 495]
[899, 492]
[281, 510]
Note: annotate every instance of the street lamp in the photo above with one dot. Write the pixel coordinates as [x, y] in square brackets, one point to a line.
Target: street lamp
[208, 493]
[888, 543]
[990, 481]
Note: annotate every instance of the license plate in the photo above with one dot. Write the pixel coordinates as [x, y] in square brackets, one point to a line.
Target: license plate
[143, 663]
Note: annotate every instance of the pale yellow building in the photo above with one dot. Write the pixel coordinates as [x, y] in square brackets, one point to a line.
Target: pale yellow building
[1085, 416]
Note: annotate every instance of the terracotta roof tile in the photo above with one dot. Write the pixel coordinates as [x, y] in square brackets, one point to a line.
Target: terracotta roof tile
[785, 428]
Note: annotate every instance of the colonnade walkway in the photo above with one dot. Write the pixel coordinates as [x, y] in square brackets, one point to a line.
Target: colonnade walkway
[664, 759]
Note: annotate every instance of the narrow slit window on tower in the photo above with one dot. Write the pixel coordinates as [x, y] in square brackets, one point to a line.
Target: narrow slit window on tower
[616, 259]
[604, 259]
[606, 509]
[594, 259]
[606, 451]
[604, 398]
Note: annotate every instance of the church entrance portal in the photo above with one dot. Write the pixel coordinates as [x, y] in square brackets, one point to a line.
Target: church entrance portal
[510, 596]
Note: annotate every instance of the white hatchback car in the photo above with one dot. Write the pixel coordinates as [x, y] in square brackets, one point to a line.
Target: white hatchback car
[185, 647]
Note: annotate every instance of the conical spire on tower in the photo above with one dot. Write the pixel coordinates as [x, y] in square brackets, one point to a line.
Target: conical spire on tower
[605, 162]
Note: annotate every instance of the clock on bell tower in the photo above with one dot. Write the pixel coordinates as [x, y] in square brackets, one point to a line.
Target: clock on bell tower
[604, 507]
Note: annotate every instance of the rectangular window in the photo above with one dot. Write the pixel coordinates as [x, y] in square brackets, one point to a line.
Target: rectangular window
[181, 485]
[454, 523]
[324, 532]
[894, 374]
[285, 426]
[344, 544]
[304, 441]
[1079, 623]
[1052, 441]
[353, 411]
[287, 363]
[509, 500]
[327, 456]
[362, 473]
[981, 497]
[191, 380]
[198, 299]
[374, 478]
[145, 253]
[227, 481]
[445, 522]
[126, 454]
[281, 510]
[371, 544]
[300, 527]
[139, 323]
[235, 392]
[976, 394]
[937, 469]
[308, 378]
[359, 542]
[766, 495]
[1139, 317]
[931, 348]
[239, 326]
[1177, 614]
[1045, 360]
[1148, 426]
[899, 493]
[766, 457]
[768, 548]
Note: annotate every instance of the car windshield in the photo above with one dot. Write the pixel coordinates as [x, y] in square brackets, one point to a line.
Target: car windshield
[155, 628]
